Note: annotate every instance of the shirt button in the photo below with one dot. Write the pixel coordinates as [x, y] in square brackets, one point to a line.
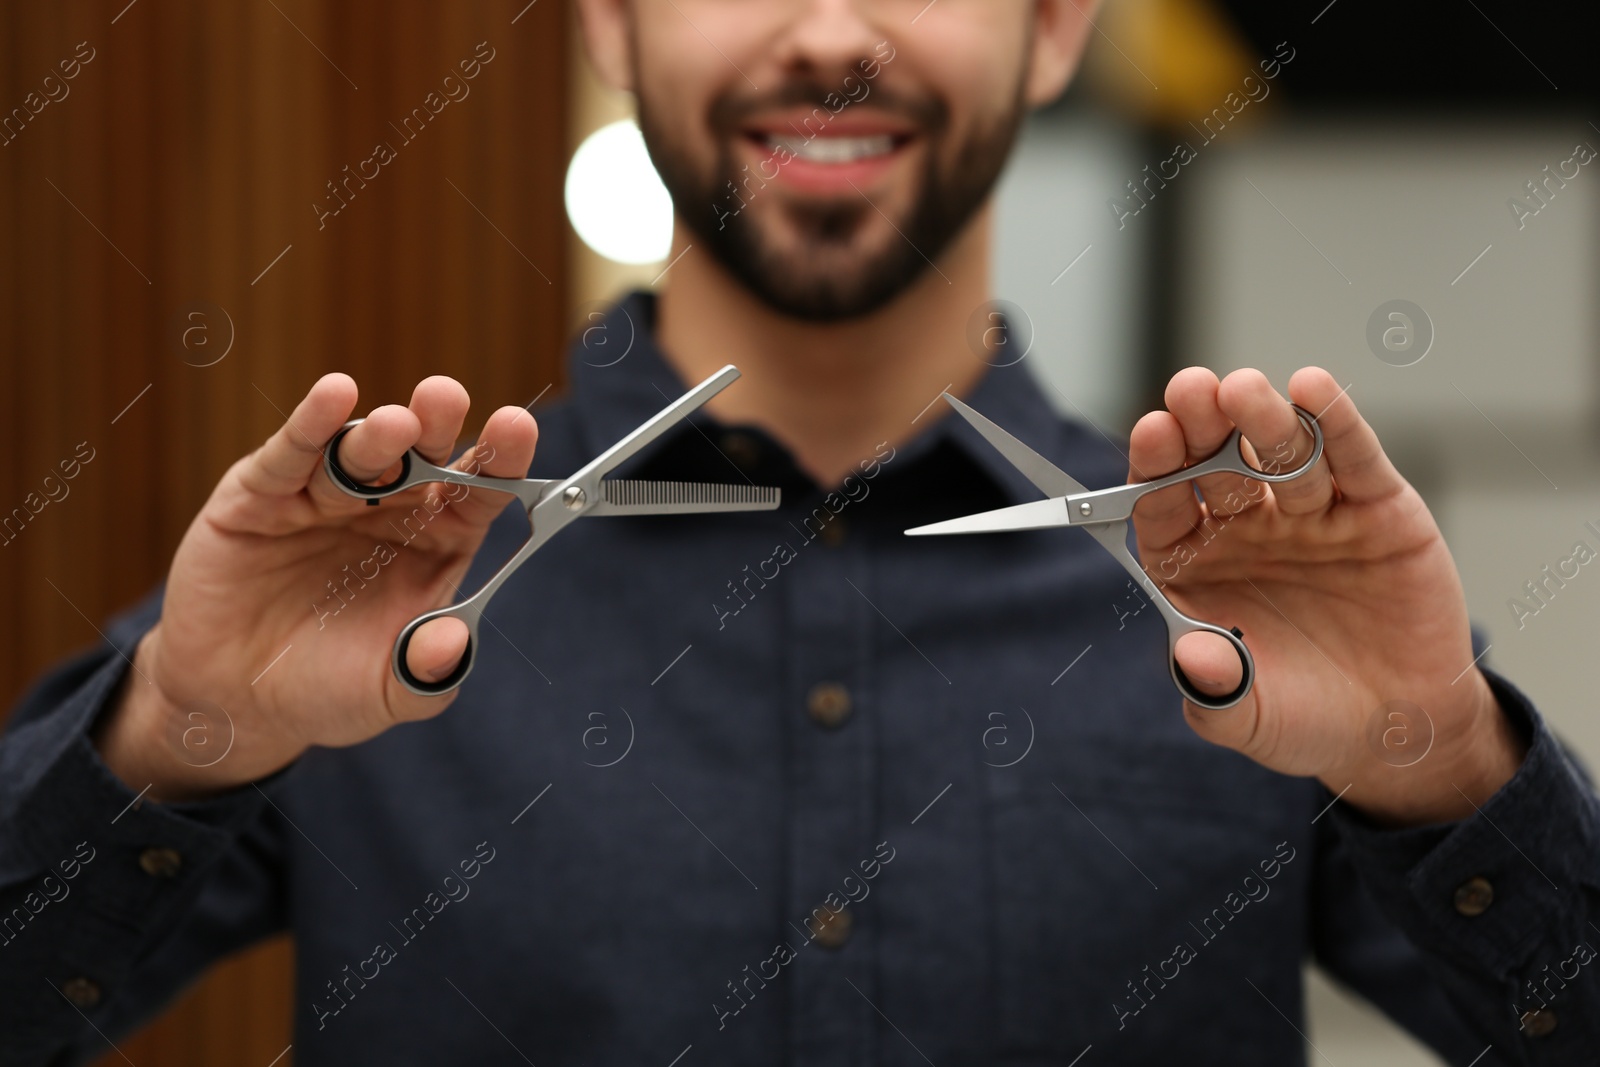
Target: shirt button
[828, 704]
[1474, 896]
[742, 449]
[834, 928]
[833, 533]
[160, 862]
[1539, 1023]
[81, 992]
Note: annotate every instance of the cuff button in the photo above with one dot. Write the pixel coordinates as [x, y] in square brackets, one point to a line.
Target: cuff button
[1474, 896]
[828, 704]
[81, 992]
[834, 930]
[160, 862]
[1539, 1023]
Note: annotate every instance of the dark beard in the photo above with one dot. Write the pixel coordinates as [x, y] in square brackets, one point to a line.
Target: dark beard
[804, 286]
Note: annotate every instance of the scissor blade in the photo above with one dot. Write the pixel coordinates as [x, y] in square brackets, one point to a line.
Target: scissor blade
[657, 424]
[1046, 476]
[628, 497]
[1037, 515]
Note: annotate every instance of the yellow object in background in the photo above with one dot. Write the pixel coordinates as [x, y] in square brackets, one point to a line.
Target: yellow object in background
[1167, 62]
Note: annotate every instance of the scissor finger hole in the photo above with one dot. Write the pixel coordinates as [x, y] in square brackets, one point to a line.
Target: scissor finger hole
[425, 687]
[341, 477]
[1284, 463]
[1211, 701]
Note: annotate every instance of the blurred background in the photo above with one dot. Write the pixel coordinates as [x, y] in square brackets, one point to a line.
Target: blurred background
[1408, 200]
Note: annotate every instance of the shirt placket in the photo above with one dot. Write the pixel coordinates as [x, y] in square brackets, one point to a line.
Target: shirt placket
[831, 730]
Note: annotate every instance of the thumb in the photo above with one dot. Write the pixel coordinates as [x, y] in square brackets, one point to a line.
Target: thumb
[434, 652]
[1213, 666]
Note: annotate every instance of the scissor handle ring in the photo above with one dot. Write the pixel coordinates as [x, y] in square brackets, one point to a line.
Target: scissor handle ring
[451, 681]
[1189, 690]
[330, 462]
[1309, 421]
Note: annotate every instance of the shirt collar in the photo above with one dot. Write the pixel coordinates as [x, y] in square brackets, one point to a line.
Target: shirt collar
[619, 378]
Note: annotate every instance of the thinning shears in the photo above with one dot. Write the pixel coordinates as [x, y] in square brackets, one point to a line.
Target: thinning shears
[1104, 514]
[553, 503]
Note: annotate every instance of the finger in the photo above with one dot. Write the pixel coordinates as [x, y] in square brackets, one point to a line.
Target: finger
[1156, 447]
[1192, 397]
[440, 405]
[1361, 469]
[1280, 442]
[435, 649]
[504, 450]
[375, 445]
[291, 456]
[1212, 664]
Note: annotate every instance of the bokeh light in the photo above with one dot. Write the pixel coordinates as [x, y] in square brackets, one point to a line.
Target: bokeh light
[615, 199]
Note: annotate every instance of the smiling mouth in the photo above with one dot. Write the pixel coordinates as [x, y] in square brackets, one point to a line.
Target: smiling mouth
[833, 150]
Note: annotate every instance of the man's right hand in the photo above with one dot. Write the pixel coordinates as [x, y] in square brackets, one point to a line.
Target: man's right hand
[273, 613]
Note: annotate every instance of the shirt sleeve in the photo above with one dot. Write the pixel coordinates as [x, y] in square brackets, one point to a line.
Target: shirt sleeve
[1498, 913]
[111, 903]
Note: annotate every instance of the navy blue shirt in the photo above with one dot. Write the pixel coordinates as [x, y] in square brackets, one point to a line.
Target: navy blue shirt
[792, 788]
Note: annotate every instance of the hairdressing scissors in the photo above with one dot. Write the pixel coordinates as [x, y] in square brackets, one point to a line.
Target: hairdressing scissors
[553, 503]
[1104, 514]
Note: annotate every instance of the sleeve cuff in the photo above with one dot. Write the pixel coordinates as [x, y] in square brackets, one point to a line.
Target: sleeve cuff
[1487, 891]
[127, 853]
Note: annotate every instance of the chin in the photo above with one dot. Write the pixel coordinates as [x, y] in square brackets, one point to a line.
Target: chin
[823, 273]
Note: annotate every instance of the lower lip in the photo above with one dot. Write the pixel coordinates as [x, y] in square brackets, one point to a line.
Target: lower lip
[808, 176]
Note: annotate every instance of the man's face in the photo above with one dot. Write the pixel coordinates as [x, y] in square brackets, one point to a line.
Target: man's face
[827, 150]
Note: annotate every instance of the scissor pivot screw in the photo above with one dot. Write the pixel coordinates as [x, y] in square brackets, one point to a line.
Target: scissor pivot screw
[573, 497]
[1086, 509]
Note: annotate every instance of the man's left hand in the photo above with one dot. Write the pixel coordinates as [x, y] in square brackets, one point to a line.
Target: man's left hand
[1344, 589]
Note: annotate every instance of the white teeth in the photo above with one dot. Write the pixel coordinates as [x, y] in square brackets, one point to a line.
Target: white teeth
[835, 149]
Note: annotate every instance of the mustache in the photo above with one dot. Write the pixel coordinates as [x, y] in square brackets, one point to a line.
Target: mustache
[733, 111]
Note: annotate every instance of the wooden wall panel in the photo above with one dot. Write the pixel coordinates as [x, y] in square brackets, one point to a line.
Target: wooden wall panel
[182, 166]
